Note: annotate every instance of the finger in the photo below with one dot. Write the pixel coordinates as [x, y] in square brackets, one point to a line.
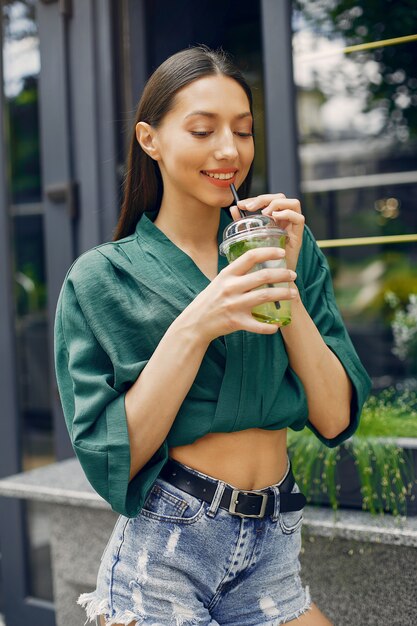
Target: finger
[266, 276]
[269, 294]
[291, 216]
[253, 326]
[288, 214]
[248, 259]
[283, 203]
[234, 211]
[258, 202]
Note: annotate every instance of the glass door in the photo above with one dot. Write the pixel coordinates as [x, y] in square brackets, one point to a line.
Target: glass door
[26, 559]
[21, 61]
[57, 154]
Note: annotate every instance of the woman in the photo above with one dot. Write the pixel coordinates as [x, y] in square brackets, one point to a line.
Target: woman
[176, 398]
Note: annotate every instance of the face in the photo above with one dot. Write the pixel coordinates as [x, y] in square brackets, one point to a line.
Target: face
[204, 143]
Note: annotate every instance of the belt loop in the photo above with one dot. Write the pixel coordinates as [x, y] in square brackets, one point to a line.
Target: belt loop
[275, 514]
[214, 504]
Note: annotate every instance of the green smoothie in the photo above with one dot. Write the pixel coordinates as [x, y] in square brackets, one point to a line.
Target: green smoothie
[259, 231]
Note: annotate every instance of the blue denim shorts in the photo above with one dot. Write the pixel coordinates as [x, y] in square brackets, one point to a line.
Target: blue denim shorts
[184, 561]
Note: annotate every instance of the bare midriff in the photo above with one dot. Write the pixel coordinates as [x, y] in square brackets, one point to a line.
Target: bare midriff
[247, 459]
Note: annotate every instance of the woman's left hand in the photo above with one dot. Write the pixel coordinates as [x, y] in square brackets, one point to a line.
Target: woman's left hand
[286, 213]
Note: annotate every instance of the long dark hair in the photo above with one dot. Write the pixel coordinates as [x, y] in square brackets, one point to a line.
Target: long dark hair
[143, 182]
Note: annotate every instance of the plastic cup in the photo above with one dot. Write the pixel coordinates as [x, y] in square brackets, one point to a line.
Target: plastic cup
[259, 231]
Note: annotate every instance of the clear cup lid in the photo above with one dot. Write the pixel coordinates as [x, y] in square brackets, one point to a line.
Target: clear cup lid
[254, 225]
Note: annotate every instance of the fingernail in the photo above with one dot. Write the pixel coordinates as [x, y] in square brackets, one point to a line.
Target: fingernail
[293, 274]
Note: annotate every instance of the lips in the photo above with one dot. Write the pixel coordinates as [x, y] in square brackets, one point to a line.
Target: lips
[220, 177]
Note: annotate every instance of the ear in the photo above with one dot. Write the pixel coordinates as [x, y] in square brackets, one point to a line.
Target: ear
[146, 136]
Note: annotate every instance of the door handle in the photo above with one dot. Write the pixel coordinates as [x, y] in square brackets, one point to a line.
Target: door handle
[65, 193]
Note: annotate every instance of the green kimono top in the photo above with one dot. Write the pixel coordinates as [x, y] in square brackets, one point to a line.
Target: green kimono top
[117, 301]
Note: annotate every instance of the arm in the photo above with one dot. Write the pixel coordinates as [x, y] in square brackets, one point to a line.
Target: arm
[319, 348]
[321, 352]
[161, 388]
[328, 388]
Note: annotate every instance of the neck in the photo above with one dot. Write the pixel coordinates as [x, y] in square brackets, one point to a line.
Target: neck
[188, 224]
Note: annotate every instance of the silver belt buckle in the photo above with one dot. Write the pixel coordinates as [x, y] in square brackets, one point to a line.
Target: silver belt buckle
[235, 498]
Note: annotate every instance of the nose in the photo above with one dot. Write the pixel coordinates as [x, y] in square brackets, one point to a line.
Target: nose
[226, 148]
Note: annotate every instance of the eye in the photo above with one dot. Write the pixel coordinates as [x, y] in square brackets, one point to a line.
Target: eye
[241, 134]
[201, 133]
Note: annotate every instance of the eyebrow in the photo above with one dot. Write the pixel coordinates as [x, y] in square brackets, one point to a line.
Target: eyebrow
[211, 115]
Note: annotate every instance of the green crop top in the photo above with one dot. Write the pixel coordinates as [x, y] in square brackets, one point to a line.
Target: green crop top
[116, 303]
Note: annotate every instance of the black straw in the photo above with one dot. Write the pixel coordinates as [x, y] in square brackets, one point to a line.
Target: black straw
[236, 198]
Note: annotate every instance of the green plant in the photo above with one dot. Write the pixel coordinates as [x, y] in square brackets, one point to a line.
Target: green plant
[389, 414]
[404, 328]
[363, 298]
[29, 290]
[385, 469]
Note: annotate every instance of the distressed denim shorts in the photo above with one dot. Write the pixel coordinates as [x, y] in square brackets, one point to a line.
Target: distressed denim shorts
[184, 562]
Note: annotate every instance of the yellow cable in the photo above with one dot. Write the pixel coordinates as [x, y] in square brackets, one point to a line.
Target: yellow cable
[358, 47]
[365, 241]
[379, 44]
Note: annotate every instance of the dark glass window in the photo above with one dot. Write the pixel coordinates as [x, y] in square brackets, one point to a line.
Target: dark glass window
[235, 26]
[356, 80]
[21, 61]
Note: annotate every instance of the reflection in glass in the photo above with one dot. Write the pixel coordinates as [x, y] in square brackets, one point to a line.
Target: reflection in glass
[32, 340]
[362, 212]
[21, 73]
[364, 92]
[39, 553]
[362, 277]
[357, 121]
[21, 61]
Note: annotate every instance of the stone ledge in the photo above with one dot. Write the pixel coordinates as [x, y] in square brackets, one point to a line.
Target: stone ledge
[360, 526]
[58, 483]
[65, 483]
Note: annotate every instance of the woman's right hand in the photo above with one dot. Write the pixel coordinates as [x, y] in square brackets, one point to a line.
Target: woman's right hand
[226, 304]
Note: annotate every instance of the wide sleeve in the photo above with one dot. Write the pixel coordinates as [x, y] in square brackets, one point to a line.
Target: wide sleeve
[317, 294]
[92, 402]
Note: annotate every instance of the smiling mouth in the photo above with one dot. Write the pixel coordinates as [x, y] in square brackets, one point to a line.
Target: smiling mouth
[220, 175]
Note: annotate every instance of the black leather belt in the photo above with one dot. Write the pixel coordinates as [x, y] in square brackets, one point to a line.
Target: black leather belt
[254, 503]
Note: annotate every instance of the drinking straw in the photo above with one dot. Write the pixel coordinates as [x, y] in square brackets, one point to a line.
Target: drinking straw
[236, 198]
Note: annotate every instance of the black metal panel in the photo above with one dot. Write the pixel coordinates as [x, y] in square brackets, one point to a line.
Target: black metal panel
[56, 153]
[280, 100]
[135, 27]
[105, 105]
[82, 89]
[91, 102]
